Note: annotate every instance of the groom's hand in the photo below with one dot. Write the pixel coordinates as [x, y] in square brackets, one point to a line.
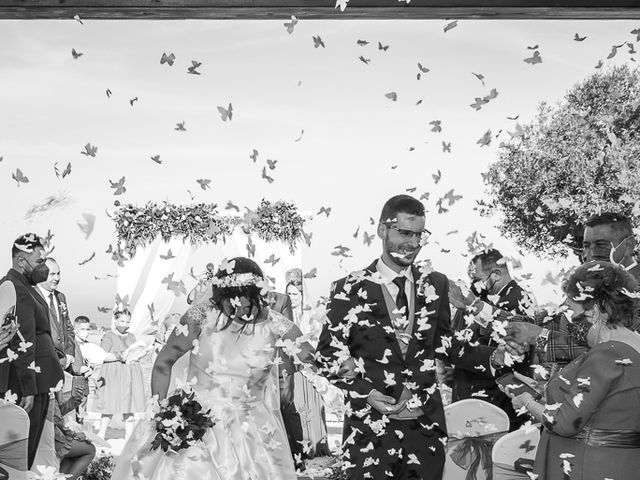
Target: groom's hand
[384, 403]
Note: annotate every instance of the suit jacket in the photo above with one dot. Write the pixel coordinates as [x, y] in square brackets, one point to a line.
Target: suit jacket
[67, 333]
[467, 382]
[359, 325]
[32, 314]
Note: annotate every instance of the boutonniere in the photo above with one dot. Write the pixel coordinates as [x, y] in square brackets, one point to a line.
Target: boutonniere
[63, 308]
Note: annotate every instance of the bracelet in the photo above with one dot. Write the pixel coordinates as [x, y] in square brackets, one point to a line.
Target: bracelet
[492, 359]
[541, 340]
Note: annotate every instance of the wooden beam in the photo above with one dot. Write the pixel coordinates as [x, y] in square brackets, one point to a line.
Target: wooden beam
[319, 9]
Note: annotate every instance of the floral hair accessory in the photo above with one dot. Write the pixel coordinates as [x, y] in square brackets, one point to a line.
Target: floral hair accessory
[237, 280]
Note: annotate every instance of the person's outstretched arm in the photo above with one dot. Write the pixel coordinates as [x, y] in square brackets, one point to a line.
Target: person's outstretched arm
[179, 343]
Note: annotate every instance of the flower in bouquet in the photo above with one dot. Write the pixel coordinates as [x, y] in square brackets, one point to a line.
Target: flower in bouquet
[180, 421]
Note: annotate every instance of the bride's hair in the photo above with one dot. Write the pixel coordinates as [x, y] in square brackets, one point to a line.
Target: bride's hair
[224, 291]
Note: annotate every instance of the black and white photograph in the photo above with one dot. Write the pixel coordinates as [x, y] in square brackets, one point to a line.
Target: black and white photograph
[369, 239]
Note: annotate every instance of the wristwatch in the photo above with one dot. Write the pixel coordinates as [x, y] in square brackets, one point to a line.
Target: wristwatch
[542, 339]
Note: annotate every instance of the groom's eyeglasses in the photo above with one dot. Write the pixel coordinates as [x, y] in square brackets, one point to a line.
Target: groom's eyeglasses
[423, 234]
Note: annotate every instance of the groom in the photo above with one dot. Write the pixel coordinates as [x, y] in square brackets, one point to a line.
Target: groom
[391, 320]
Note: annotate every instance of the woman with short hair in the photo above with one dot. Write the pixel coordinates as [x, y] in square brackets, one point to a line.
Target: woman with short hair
[591, 414]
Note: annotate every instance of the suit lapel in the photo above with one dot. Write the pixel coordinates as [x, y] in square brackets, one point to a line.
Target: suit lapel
[419, 303]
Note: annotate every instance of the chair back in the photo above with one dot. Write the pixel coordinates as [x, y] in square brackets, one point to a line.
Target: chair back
[14, 439]
[519, 446]
[474, 426]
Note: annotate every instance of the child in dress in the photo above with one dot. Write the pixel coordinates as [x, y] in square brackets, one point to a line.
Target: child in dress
[123, 389]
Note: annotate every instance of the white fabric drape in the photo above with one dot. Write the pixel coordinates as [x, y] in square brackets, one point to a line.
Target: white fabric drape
[141, 277]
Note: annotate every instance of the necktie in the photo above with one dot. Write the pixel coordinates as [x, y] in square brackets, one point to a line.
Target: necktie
[52, 308]
[401, 298]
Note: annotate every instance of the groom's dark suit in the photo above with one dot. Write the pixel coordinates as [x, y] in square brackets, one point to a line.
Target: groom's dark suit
[360, 326]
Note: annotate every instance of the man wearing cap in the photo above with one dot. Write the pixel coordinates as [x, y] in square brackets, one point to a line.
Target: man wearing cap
[30, 366]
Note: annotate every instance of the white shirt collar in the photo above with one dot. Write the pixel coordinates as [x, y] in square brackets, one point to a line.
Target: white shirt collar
[45, 293]
[387, 275]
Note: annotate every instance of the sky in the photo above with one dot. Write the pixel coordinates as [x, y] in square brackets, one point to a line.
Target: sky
[322, 113]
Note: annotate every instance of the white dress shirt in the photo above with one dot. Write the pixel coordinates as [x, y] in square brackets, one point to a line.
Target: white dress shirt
[45, 293]
[388, 275]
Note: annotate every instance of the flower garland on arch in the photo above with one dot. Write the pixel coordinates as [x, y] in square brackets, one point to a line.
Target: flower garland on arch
[201, 223]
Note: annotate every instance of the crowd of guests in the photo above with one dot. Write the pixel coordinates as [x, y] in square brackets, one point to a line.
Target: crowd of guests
[54, 369]
[582, 359]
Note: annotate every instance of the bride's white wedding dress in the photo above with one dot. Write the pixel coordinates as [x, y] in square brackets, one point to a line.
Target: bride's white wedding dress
[236, 377]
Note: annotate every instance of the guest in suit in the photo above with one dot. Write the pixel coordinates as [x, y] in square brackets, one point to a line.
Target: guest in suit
[491, 281]
[391, 320]
[35, 368]
[62, 331]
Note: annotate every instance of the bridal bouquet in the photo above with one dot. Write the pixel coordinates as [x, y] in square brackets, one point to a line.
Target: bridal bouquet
[181, 421]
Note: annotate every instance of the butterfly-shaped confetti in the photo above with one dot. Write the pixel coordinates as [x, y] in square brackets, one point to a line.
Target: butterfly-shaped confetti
[226, 113]
[19, 177]
[535, 58]
[317, 41]
[118, 186]
[87, 226]
[87, 260]
[450, 26]
[168, 59]
[167, 256]
[290, 26]
[204, 183]
[89, 150]
[193, 69]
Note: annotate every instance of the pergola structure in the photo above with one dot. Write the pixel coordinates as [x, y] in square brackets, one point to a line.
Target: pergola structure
[319, 9]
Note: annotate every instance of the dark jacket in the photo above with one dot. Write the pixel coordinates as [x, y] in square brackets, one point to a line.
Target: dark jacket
[33, 321]
[360, 326]
[472, 383]
[68, 332]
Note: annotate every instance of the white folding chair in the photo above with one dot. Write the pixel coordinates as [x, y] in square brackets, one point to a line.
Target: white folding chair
[14, 439]
[473, 427]
[519, 446]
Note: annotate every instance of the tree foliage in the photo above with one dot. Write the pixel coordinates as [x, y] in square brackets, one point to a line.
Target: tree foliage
[575, 159]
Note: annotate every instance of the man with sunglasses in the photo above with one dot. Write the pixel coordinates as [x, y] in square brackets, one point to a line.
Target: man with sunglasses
[491, 282]
[389, 322]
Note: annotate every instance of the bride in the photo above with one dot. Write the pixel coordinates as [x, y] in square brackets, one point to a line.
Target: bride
[231, 335]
